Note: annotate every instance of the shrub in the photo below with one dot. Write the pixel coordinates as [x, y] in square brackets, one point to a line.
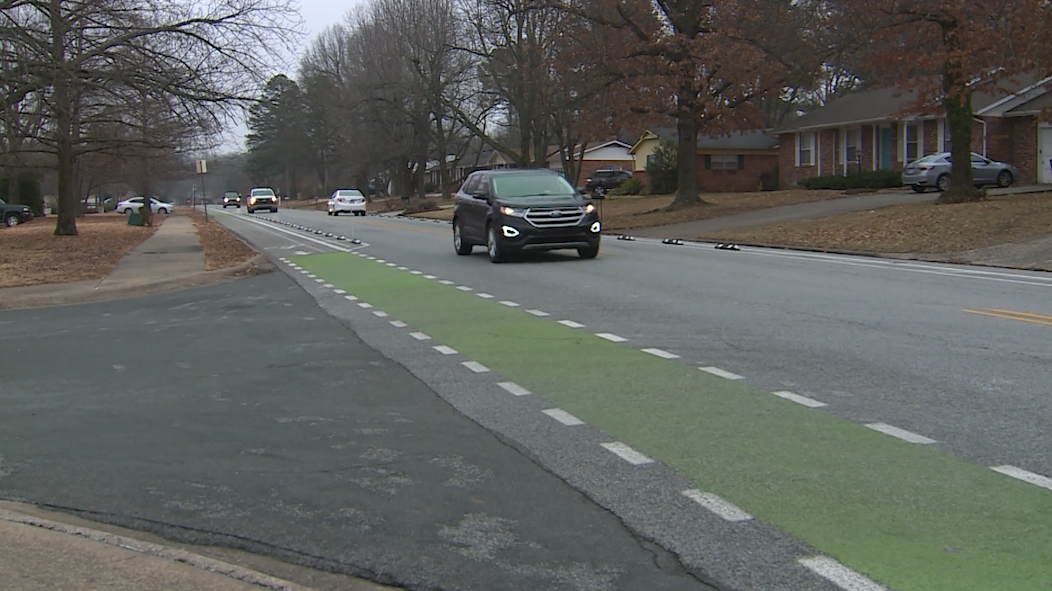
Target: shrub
[663, 169]
[430, 187]
[869, 179]
[632, 186]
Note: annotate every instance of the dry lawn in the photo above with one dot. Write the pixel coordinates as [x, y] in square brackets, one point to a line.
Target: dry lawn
[30, 254]
[915, 228]
[624, 212]
[222, 248]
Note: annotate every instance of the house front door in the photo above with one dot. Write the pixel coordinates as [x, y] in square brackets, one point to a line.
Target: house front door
[1044, 153]
[885, 148]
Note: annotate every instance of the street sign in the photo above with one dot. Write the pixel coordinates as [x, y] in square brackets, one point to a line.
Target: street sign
[202, 166]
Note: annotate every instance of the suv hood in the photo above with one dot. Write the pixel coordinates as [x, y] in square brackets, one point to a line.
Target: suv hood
[542, 201]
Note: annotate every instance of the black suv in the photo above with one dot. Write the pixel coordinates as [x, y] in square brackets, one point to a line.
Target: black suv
[607, 179]
[514, 210]
[231, 198]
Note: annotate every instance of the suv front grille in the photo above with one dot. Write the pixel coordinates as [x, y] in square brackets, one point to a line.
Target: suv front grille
[554, 217]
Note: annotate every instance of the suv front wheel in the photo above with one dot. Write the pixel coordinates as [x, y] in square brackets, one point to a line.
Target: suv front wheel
[462, 246]
[590, 252]
[494, 248]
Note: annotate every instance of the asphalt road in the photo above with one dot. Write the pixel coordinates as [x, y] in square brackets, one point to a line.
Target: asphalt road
[959, 357]
[244, 415]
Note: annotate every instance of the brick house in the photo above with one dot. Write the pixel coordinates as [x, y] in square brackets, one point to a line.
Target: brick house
[874, 128]
[732, 162]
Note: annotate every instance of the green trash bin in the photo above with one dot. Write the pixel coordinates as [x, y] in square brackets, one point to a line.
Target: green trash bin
[134, 218]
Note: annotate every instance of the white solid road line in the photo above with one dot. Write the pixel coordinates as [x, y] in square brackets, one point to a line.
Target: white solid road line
[538, 313]
[902, 434]
[398, 324]
[563, 417]
[298, 236]
[514, 389]
[610, 337]
[661, 353]
[475, 366]
[840, 575]
[720, 507]
[627, 453]
[804, 400]
[445, 350]
[721, 373]
[571, 324]
[1025, 476]
[420, 336]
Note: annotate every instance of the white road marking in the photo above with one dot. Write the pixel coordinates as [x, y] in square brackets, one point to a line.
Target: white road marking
[840, 575]
[380, 314]
[510, 304]
[514, 389]
[371, 258]
[311, 276]
[463, 288]
[351, 298]
[390, 264]
[273, 229]
[338, 291]
[365, 305]
[304, 271]
[380, 261]
[417, 272]
[1025, 476]
[538, 313]
[902, 434]
[420, 336]
[430, 277]
[571, 324]
[720, 507]
[398, 324]
[804, 400]
[446, 282]
[298, 252]
[475, 366]
[485, 296]
[661, 353]
[327, 285]
[319, 280]
[563, 417]
[283, 259]
[445, 350]
[119, 367]
[403, 268]
[721, 373]
[610, 337]
[627, 453]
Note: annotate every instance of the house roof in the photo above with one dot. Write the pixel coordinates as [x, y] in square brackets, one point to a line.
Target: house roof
[755, 139]
[888, 103]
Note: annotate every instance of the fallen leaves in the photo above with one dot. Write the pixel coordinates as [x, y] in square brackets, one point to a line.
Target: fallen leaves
[221, 247]
[30, 254]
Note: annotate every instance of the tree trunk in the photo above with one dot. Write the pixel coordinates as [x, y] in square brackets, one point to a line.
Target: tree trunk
[957, 100]
[687, 154]
[66, 224]
[12, 187]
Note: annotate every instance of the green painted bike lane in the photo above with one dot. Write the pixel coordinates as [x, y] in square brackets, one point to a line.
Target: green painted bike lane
[910, 516]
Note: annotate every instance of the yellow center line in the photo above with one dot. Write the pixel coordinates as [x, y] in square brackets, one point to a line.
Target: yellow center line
[1043, 317]
[1012, 316]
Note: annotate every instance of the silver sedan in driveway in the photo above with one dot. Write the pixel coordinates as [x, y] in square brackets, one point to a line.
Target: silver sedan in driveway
[934, 171]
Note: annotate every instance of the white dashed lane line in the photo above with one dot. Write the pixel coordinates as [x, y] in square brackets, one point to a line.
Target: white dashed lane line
[661, 353]
[840, 575]
[417, 272]
[339, 291]
[365, 305]
[1025, 476]
[514, 389]
[398, 324]
[804, 400]
[902, 434]
[403, 268]
[380, 314]
[351, 298]
[721, 373]
[420, 336]
[443, 349]
[563, 417]
[610, 337]
[627, 453]
[430, 277]
[571, 324]
[318, 280]
[475, 366]
[715, 504]
[464, 288]
[446, 282]
[327, 285]
[485, 296]
[510, 304]
[538, 313]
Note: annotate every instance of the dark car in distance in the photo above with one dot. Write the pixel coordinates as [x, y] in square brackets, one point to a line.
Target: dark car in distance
[606, 179]
[231, 198]
[509, 211]
[12, 215]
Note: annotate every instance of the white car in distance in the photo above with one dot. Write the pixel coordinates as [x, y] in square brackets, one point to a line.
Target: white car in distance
[347, 200]
[135, 203]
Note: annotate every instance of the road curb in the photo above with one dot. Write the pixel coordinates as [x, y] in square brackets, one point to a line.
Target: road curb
[83, 292]
[157, 550]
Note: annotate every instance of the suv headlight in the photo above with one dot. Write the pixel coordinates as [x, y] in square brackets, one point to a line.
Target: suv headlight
[589, 208]
[512, 211]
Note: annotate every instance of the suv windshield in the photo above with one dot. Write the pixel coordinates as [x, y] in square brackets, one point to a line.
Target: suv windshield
[262, 193]
[539, 185]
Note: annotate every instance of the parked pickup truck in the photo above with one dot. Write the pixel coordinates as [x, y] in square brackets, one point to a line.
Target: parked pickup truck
[12, 215]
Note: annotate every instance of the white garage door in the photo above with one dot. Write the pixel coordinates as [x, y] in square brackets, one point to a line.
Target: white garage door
[1044, 153]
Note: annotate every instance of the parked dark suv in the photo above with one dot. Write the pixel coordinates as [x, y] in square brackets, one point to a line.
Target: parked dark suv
[607, 179]
[514, 210]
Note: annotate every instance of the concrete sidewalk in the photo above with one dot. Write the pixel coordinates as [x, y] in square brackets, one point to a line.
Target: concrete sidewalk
[171, 258]
[806, 211]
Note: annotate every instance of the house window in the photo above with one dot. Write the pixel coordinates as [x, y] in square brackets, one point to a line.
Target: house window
[651, 158]
[806, 152]
[724, 161]
[912, 142]
[853, 141]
